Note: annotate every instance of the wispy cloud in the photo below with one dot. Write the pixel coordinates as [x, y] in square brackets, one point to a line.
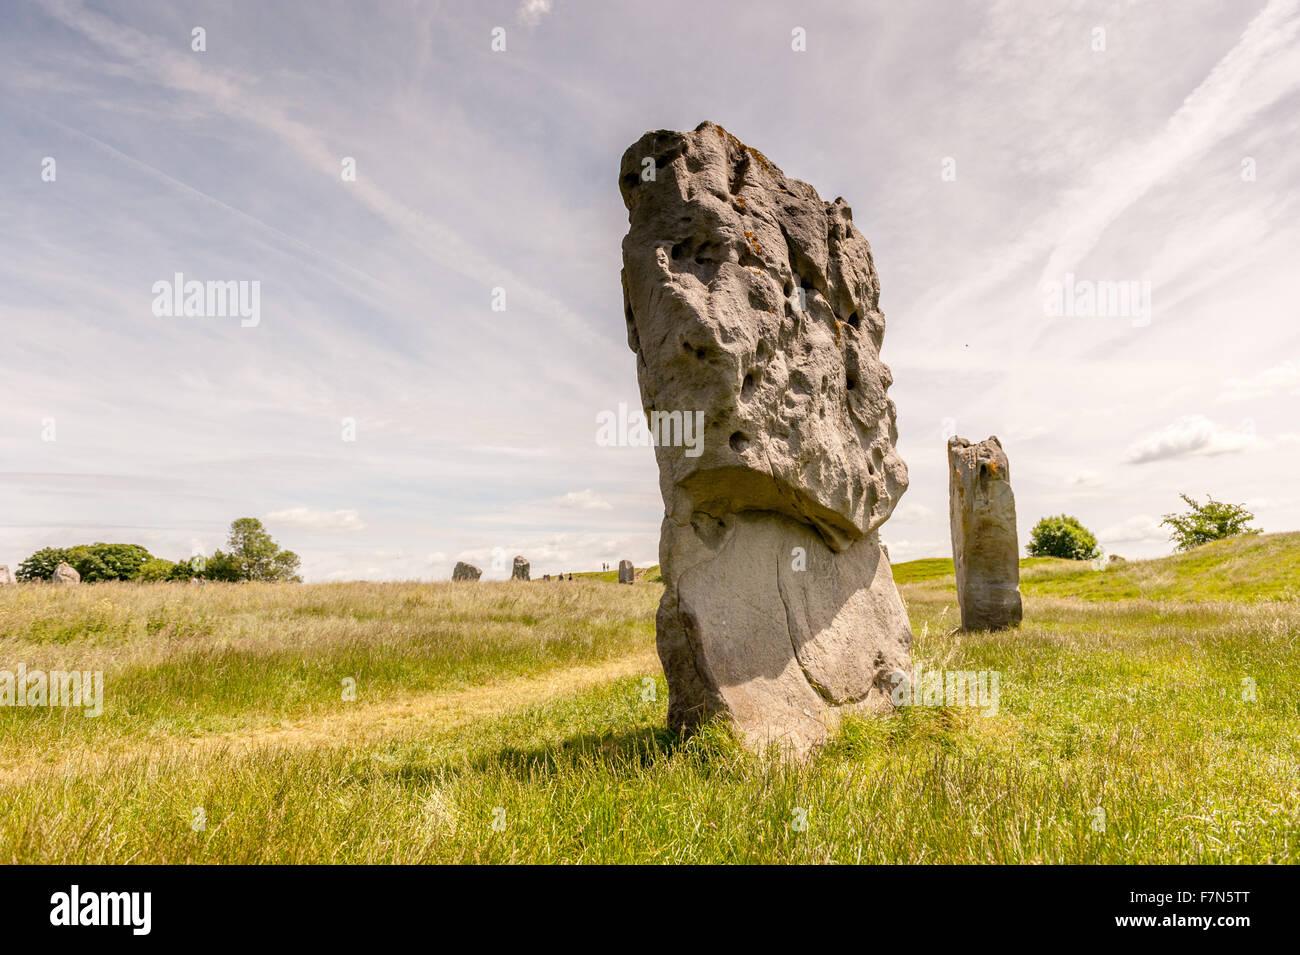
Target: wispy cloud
[306, 517]
[1283, 379]
[586, 500]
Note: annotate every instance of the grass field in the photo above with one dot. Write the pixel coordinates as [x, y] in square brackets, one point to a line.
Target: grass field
[523, 723]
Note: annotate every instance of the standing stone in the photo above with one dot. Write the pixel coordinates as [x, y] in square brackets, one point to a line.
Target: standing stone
[752, 306]
[464, 571]
[626, 572]
[985, 552]
[66, 574]
[520, 571]
[6, 575]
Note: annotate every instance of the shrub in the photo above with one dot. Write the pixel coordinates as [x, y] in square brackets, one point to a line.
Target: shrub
[1062, 536]
[1211, 521]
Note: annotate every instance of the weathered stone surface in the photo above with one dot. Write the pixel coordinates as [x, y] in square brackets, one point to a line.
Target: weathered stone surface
[464, 571]
[66, 574]
[750, 300]
[6, 575]
[626, 572]
[985, 551]
[520, 570]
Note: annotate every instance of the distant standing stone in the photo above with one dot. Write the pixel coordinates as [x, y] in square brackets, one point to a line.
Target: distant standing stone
[626, 572]
[6, 575]
[464, 571]
[985, 552]
[520, 571]
[66, 574]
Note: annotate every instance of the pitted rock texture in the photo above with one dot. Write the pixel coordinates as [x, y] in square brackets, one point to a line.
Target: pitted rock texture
[464, 571]
[985, 550]
[520, 569]
[749, 299]
[626, 572]
[66, 574]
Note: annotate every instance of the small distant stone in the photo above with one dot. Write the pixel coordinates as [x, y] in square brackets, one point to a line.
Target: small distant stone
[520, 571]
[626, 572]
[464, 571]
[6, 575]
[66, 574]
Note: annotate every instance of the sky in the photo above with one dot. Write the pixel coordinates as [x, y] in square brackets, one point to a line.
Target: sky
[436, 335]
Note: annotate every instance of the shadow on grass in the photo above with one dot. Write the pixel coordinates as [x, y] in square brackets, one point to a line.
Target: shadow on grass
[619, 754]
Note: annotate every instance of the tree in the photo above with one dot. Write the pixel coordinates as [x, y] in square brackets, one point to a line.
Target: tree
[254, 554]
[157, 569]
[1062, 536]
[41, 565]
[100, 561]
[1211, 521]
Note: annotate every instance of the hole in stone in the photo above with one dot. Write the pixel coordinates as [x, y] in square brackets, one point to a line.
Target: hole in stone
[739, 442]
[850, 383]
[747, 386]
[699, 353]
[854, 320]
[630, 180]
[677, 251]
[788, 288]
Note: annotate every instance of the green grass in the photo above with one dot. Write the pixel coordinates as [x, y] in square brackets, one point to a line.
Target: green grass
[1136, 705]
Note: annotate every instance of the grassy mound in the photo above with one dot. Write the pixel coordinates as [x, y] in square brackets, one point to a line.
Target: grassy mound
[1259, 567]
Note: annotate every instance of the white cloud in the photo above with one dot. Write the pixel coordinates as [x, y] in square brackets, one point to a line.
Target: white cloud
[310, 519]
[910, 511]
[531, 12]
[1191, 435]
[1085, 478]
[1280, 379]
[1142, 529]
[586, 500]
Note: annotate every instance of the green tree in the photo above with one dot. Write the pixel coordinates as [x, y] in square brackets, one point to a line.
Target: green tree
[40, 566]
[1062, 536]
[100, 561]
[1211, 521]
[157, 569]
[256, 555]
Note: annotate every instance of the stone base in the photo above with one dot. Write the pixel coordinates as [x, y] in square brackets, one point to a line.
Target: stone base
[764, 625]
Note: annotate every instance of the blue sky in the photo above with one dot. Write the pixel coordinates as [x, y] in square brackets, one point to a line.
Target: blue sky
[1110, 156]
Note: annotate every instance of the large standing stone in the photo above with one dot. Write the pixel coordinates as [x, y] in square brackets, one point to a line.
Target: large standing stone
[66, 574]
[6, 575]
[464, 571]
[626, 572]
[982, 513]
[752, 306]
[520, 571]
